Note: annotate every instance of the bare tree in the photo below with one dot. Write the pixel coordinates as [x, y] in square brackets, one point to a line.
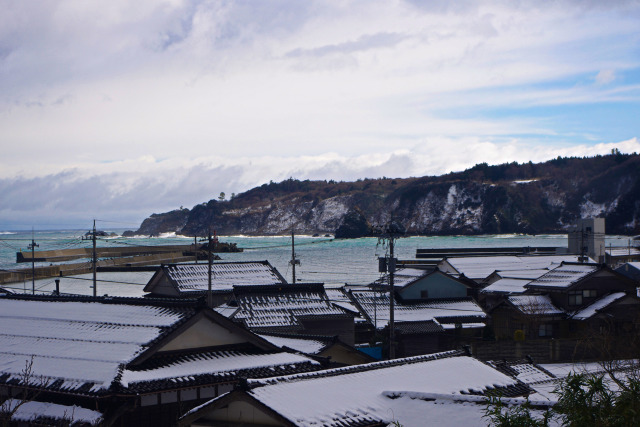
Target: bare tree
[30, 386]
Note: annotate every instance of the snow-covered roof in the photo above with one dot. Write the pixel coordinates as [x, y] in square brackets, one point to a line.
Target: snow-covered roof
[621, 252]
[478, 268]
[592, 309]
[33, 411]
[523, 274]
[403, 277]
[307, 345]
[89, 345]
[78, 345]
[564, 276]
[215, 365]
[526, 372]
[634, 264]
[283, 306]
[506, 286]
[338, 297]
[366, 393]
[376, 307]
[545, 389]
[224, 276]
[630, 270]
[535, 305]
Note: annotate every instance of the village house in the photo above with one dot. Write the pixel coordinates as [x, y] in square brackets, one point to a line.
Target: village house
[425, 390]
[192, 280]
[411, 284]
[572, 286]
[479, 268]
[571, 301]
[298, 309]
[422, 326]
[134, 361]
[501, 284]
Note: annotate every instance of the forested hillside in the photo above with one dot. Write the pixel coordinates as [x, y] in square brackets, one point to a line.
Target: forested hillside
[508, 198]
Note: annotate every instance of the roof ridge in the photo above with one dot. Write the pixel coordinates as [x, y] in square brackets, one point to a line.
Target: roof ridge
[357, 368]
[131, 301]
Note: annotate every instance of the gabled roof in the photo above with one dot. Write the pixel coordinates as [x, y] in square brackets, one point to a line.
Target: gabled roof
[210, 367]
[194, 278]
[365, 394]
[523, 274]
[4, 291]
[535, 305]
[302, 343]
[90, 346]
[478, 268]
[340, 298]
[507, 286]
[564, 276]
[403, 277]
[375, 307]
[523, 370]
[631, 270]
[598, 305]
[283, 305]
[78, 346]
[419, 327]
[331, 348]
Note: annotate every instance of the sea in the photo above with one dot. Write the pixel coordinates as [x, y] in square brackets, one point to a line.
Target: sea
[322, 259]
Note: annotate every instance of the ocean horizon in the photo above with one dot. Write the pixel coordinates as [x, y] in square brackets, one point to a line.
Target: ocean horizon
[322, 259]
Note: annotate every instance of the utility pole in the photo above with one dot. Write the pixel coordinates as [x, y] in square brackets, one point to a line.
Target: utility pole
[582, 244]
[388, 265]
[293, 261]
[94, 258]
[95, 261]
[392, 269]
[210, 261]
[195, 247]
[33, 247]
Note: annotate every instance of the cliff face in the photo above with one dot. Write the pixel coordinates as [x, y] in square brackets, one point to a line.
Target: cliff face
[509, 198]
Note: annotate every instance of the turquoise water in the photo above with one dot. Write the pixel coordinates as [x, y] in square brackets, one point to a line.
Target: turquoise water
[321, 259]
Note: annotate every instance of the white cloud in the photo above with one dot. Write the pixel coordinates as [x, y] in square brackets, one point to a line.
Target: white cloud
[131, 190]
[136, 90]
[605, 77]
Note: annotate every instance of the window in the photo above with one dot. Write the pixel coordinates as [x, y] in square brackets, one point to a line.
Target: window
[424, 294]
[545, 330]
[589, 293]
[575, 297]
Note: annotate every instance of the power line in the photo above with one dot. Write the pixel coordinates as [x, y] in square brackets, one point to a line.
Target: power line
[106, 281]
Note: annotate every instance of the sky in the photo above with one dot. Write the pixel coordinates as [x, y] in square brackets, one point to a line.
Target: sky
[116, 110]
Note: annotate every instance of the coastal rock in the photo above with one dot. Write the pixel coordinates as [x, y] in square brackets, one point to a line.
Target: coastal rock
[167, 222]
[354, 225]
